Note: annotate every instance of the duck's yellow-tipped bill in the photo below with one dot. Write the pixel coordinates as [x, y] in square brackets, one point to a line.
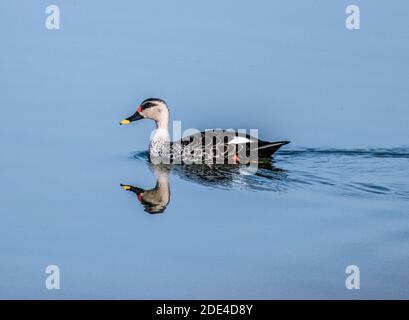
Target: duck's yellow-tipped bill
[125, 121]
[126, 187]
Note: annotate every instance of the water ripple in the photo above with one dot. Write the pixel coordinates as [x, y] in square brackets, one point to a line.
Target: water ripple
[401, 152]
[355, 172]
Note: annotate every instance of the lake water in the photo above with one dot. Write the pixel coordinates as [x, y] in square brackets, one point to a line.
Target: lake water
[338, 195]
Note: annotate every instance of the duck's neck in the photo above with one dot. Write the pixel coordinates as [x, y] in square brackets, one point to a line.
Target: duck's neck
[162, 124]
[161, 131]
[159, 145]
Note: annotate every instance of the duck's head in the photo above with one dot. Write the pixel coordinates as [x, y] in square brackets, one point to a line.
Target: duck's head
[152, 108]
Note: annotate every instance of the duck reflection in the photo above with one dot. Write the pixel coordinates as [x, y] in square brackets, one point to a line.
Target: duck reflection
[154, 200]
[267, 177]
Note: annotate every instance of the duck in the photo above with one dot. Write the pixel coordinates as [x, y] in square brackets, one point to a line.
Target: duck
[209, 146]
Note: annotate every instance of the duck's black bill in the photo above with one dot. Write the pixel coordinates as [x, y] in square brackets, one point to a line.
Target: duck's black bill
[132, 188]
[136, 116]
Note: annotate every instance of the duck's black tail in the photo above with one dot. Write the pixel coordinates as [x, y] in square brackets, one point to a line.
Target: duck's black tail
[267, 149]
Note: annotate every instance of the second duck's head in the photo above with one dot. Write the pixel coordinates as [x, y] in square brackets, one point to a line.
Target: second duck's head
[152, 108]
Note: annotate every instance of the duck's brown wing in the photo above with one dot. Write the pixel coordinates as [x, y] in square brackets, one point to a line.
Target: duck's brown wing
[218, 144]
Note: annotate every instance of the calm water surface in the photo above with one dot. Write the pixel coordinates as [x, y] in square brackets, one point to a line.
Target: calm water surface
[289, 231]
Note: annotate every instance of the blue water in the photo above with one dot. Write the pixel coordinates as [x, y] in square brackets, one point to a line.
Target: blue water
[337, 195]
